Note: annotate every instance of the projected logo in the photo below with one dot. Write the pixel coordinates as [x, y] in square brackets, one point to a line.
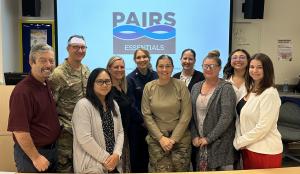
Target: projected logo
[154, 32]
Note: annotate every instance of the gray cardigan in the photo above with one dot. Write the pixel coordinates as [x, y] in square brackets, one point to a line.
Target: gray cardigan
[219, 123]
[89, 150]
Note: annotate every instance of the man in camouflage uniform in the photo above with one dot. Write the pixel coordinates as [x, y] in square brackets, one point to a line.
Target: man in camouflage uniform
[68, 83]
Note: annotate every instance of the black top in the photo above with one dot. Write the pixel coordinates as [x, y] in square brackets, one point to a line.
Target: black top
[240, 105]
[197, 77]
[108, 131]
[125, 106]
[136, 83]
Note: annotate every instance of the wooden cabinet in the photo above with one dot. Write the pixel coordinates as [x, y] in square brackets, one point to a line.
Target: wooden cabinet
[6, 142]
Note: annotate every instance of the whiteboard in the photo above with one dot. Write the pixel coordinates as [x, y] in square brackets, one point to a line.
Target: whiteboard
[246, 35]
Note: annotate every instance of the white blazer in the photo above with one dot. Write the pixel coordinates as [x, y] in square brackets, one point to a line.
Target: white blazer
[258, 124]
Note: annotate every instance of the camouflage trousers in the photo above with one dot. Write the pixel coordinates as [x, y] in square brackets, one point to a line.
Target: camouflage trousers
[176, 160]
[65, 152]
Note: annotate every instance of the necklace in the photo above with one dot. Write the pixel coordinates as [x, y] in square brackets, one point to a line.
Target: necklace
[208, 88]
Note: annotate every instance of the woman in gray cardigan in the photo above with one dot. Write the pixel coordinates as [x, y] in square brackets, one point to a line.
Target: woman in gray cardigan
[97, 128]
[212, 126]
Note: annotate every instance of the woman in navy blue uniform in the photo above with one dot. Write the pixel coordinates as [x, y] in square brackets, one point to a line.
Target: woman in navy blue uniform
[139, 156]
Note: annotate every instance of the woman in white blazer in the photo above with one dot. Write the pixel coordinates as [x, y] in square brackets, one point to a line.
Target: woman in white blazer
[97, 128]
[258, 136]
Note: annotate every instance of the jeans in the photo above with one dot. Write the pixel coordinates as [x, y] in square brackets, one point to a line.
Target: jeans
[25, 165]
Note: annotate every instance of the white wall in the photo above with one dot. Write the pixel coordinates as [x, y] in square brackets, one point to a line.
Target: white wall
[1, 50]
[9, 37]
[11, 56]
[47, 9]
[281, 21]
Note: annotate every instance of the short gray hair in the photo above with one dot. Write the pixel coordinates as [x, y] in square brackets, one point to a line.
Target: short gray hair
[37, 49]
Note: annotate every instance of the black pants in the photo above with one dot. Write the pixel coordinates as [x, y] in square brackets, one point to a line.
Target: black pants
[25, 165]
[139, 155]
[193, 157]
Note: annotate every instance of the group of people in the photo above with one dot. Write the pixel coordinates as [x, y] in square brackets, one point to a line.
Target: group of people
[68, 119]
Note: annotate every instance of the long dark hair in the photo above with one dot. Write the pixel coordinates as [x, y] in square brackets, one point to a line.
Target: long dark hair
[92, 97]
[228, 70]
[268, 78]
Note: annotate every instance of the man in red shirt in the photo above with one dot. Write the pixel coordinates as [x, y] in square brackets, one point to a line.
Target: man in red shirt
[33, 118]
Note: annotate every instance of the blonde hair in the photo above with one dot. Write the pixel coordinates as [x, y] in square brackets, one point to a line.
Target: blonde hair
[108, 66]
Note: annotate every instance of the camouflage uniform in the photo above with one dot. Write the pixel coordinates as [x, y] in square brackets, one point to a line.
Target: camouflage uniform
[176, 160]
[68, 86]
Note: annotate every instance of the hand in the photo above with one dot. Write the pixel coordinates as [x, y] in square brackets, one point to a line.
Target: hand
[172, 141]
[166, 143]
[196, 141]
[41, 163]
[111, 162]
[203, 141]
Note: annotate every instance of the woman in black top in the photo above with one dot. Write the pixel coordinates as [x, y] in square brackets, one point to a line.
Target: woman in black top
[116, 67]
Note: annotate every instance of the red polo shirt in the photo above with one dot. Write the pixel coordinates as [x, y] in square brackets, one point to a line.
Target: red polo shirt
[33, 110]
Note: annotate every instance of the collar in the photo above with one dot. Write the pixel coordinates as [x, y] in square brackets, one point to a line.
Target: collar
[138, 73]
[69, 67]
[36, 82]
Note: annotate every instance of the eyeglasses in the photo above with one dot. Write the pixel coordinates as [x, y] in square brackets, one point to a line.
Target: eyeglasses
[209, 66]
[241, 58]
[101, 82]
[77, 47]
[167, 66]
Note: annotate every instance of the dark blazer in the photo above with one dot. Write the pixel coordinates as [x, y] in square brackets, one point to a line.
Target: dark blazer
[197, 77]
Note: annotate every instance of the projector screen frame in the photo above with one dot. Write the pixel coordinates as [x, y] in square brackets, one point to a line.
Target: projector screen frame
[224, 55]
